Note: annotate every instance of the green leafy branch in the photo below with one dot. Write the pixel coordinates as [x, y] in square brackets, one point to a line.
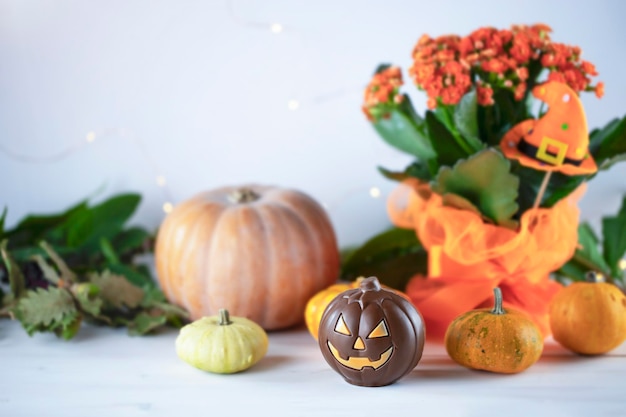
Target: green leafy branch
[80, 265]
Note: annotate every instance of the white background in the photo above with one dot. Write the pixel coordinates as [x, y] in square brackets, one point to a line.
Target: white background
[198, 92]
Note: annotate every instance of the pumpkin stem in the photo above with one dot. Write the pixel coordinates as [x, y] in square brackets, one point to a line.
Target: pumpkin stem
[243, 195]
[369, 284]
[594, 277]
[497, 308]
[224, 317]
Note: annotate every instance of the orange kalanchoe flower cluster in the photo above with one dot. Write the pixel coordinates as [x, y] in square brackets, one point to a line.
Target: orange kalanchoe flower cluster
[381, 94]
[448, 66]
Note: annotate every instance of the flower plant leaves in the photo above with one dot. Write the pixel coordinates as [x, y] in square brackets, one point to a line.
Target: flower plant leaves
[394, 255]
[614, 232]
[417, 169]
[403, 131]
[608, 145]
[484, 180]
[588, 251]
[466, 121]
[475, 94]
[599, 255]
[445, 144]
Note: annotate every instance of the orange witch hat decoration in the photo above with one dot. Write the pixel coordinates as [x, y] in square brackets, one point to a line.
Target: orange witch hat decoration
[558, 141]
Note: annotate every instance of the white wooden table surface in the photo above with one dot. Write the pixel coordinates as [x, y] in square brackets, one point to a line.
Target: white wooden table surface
[104, 372]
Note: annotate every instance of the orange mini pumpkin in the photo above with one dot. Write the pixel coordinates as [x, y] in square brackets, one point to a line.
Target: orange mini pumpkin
[259, 251]
[494, 340]
[589, 317]
[317, 304]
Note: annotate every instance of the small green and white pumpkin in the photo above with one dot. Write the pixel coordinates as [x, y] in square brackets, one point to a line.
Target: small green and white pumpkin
[222, 344]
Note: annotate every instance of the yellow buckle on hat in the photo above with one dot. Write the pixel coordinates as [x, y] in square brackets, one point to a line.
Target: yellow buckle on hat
[543, 155]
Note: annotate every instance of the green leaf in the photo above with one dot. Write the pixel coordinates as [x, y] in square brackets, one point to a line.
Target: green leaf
[402, 133]
[108, 251]
[66, 273]
[36, 227]
[116, 291]
[145, 323]
[607, 145]
[154, 298]
[393, 256]
[48, 310]
[381, 67]
[573, 270]
[69, 327]
[130, 240]
[494, 121]
[443, 141]
[589, 253]
[484, 179]
[103, 220]
[559, 186]
[391, 240]
[86, 295]
[48, 272]
[466, 121]
[415, 170]
[446, 114]
[25, 253]
[135, 275]
[2, 220]
[16, 278]
[394, 271]
[614, 245]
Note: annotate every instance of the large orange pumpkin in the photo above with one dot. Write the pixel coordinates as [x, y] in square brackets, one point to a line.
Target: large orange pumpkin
[259, 251]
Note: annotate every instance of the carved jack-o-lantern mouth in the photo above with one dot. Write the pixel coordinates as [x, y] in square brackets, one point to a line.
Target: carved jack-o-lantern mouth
[358, 363]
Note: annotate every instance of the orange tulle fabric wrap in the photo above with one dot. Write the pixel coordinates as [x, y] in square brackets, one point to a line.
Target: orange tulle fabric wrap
[468, 258]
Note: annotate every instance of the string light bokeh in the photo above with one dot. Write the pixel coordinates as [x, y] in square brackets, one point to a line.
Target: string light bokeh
[125, 135]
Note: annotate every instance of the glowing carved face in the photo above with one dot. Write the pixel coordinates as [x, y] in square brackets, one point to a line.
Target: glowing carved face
[361, 330]
[360, 362]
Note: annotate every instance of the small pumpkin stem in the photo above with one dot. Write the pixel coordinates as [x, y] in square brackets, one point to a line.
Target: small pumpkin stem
[224, 317]
[594, 277]
[369, 284]
[497, 308]
[243, 195]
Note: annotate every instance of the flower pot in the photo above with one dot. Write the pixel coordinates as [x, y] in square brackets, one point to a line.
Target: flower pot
[468, 257]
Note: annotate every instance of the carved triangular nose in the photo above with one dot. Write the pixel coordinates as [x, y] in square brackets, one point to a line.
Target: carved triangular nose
[359, 345]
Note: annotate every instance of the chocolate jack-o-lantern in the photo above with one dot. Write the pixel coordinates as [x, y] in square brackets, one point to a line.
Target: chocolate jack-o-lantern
[371, 336]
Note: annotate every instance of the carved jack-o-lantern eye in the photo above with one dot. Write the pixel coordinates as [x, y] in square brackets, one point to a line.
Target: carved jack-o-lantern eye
[379, 331]
[341, 327]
